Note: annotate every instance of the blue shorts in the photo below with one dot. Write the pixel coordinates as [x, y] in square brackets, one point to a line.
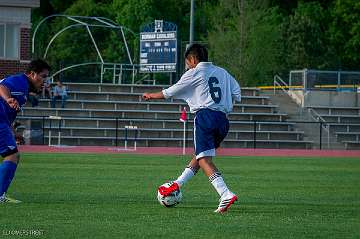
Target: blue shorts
[7, 141]
[210, 129]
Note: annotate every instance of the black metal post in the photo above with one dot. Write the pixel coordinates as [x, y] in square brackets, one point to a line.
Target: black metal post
[254, 134]
[43, 130]
[126, 133]
[320, 146]
[116, 132]
[60, 125]
[50, 127]
[59, 133]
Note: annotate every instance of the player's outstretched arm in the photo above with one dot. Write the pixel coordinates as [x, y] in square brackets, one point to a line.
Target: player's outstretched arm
[149, 96]
[5, 94]
[235, 90]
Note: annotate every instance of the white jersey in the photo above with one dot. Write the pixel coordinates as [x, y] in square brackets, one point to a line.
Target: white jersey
[206, 86]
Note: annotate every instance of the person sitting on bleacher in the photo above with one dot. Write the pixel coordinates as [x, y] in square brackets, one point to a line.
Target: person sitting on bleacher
[46, 90]
[59, 93]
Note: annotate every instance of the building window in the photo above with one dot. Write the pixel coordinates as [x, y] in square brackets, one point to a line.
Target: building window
[9, 41]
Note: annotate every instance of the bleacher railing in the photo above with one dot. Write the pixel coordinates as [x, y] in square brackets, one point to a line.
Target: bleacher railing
[281, 84]
[307, 79]
[323, 125]
[51, 131]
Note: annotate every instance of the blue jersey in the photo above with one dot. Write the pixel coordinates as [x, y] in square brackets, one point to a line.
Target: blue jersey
[18, 86]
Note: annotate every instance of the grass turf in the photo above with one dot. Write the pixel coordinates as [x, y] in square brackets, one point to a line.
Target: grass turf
[114, 196]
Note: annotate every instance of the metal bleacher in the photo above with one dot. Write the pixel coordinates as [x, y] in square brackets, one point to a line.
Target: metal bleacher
[343, 122]
[94, 111]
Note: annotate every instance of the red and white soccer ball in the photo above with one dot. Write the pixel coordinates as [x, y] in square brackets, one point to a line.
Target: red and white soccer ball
[170, 200]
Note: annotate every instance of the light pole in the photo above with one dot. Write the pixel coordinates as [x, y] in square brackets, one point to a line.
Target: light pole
[192, 22]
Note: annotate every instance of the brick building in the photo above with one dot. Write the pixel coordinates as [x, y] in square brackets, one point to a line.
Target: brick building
[15, 35]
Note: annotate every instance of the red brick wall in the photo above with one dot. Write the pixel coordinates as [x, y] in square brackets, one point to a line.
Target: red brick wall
[25, 44]
[10, 67]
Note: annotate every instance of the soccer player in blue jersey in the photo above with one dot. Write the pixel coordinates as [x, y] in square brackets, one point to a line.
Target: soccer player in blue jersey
[14, 91]
[209, 91]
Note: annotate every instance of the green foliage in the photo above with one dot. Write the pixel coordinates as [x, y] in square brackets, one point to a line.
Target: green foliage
[344, 33]
[305, 37]
[254, 40]
[75, 46]
[262, 47]
[59, 6]
[261, 40]
[249, 45]
[134, 13]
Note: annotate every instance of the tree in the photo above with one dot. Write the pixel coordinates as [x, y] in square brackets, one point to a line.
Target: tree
[75, 46]
[252, 39]
[304, 34]
[344, 33]
[249, 44]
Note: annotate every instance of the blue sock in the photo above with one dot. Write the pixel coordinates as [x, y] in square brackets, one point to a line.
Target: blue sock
[7, 172]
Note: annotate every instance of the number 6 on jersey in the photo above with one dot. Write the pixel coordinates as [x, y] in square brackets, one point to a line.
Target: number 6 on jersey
[214, 90]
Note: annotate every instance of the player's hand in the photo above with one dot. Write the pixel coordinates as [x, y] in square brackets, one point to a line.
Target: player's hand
[12, 102]
[146, 96]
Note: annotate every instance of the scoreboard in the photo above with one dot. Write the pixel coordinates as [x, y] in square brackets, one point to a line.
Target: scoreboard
[158, 51]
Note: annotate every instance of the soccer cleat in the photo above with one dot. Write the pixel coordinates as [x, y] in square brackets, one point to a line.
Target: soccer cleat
[226, 202]
[166, 191]
[6, 199]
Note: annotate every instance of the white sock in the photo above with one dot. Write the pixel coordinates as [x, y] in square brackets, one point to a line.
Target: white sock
[186, 175]
[218, 182]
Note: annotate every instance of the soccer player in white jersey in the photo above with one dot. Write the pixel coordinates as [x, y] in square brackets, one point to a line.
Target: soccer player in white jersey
[209, 91]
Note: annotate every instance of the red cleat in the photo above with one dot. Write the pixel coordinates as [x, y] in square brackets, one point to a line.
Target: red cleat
[166, 191]
[225, 203]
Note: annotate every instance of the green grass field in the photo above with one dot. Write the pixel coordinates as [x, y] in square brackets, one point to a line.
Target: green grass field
[114, 196]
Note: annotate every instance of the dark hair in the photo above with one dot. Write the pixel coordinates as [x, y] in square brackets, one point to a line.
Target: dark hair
[37, 66]
[198, 51]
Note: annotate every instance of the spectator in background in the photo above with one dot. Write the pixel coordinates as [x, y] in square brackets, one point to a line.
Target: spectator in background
[59, 93]
[46, 90]
[33, 99]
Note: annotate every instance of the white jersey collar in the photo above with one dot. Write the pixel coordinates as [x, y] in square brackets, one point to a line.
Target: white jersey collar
[203, 63]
